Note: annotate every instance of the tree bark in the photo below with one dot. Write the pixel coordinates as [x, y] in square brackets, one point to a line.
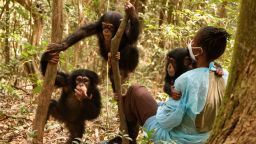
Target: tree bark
[77, 46]
[171, 8]
[7, 34]
[162, 12]
[222, 11]
[117, 78]
[50, 75]
[236, 119]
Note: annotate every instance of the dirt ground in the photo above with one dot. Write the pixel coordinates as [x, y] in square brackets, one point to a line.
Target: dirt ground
[17, 112]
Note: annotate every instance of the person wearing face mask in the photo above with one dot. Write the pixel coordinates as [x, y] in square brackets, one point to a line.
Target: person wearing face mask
[213, 66]
[188, 120]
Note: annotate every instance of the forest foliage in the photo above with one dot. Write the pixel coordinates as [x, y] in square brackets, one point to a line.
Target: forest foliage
[25, 31]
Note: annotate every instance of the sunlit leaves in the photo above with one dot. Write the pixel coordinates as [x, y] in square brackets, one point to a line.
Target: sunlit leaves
[24, 13]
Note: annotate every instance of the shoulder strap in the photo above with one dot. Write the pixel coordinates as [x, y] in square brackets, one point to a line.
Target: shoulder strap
[204, 121]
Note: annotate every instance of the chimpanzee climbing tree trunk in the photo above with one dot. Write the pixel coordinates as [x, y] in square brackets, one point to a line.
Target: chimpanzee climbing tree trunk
[236, 122]
[50, 75]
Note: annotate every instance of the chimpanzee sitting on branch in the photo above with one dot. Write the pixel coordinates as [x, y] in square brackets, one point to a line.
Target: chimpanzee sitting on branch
[105, 29]
[80, 98]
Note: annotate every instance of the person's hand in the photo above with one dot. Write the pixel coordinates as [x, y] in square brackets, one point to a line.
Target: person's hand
[175, 94]
[116, 96]
[129, 9]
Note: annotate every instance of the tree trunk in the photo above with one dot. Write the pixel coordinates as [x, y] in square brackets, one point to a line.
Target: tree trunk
[117, 78]
[236, 120]
[66, 32]
[7, 34]
[50, 75]
[222, 12]
[162, 12]
[77, 46]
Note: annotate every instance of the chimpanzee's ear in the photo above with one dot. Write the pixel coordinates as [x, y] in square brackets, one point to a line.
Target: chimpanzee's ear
[187, 61]
[93, 77]
[96, 79]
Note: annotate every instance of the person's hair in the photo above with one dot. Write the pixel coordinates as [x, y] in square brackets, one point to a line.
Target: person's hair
[213, 41]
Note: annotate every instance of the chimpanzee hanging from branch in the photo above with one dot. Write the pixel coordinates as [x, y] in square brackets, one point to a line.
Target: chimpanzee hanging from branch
[105, 28]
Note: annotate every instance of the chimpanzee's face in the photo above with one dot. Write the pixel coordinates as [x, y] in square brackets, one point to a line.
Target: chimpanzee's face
[171, 64]
[82, 82]
[107, 30]
[176, 68]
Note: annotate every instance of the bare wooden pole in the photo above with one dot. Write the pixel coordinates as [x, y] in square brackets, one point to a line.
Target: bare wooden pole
[50, 75]
[117, 78]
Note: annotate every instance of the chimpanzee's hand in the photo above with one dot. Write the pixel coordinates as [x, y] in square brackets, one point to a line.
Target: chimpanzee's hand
[54, 57]
[219, 71]
[81, 93]
[175, 94]
[129, 9]
[117, 56]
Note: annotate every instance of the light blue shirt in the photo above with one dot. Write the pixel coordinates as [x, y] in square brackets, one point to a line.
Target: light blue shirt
[175, 120]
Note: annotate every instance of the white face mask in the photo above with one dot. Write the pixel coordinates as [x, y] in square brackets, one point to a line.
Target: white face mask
[189, 45]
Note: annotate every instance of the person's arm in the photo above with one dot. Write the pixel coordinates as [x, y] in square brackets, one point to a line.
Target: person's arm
[170, 117]
[170, 114]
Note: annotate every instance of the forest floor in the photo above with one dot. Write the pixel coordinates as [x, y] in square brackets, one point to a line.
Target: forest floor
[17, 112]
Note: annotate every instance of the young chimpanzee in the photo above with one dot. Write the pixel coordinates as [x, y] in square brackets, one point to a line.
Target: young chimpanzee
[178, 61]
[105, 29]
[80, 99]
